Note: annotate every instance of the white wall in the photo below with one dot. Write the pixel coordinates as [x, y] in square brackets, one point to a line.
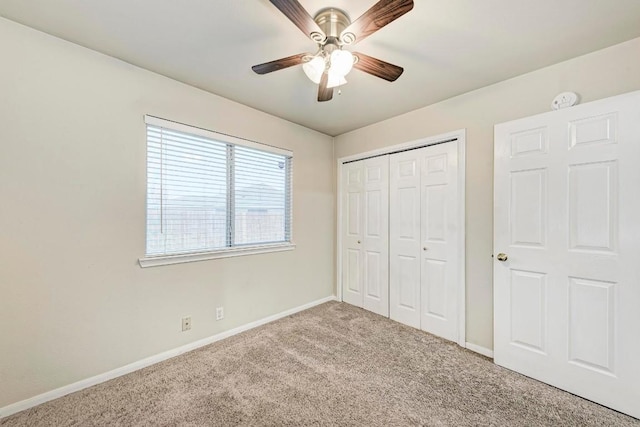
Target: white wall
[73, 301]
[597, 75]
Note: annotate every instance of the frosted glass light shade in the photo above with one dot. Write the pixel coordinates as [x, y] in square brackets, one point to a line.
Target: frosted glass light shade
[341, 62]
[335, 80]
[314, 69]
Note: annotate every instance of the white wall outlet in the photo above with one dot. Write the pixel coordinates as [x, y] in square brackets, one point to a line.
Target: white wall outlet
[186, 323]
[219, 313]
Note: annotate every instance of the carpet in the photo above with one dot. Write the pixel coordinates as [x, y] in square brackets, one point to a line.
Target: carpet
[334, 364]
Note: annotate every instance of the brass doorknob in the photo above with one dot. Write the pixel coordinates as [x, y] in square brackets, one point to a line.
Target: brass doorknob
[358, 241]
[502, 257]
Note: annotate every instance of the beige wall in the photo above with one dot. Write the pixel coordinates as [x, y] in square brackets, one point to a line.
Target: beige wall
[597, 75]
[73, 301]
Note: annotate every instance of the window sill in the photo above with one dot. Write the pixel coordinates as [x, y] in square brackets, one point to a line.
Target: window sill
[155, 261]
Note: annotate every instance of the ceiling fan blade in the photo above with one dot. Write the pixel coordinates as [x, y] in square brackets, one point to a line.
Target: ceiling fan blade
[301, 18]
[280, 64]
[377, 67]
[380, 14]
[324, 93]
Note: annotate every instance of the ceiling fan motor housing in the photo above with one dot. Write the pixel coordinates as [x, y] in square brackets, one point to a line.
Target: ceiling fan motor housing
[333, 22]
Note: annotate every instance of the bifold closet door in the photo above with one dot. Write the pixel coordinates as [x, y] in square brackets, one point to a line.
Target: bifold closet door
[424, 238]
[405, 238]
[365, 234]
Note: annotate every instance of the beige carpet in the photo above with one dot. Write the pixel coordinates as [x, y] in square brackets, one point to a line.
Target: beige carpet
[331, 365]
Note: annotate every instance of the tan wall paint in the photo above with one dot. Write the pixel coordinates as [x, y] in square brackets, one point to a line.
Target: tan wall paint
[73, 301]
[600, 74]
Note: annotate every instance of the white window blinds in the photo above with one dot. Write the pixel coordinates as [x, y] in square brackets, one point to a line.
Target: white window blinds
[207, 191]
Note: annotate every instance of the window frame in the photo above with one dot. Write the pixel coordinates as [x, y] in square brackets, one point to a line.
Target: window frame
[226, 252]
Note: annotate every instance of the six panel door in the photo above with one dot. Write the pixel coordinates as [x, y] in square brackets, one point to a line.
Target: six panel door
[424, 239]
[566, 216]
[365, 239]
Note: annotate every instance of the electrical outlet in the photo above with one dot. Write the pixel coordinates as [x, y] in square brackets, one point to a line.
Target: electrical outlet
[186, 323]
[219, 313]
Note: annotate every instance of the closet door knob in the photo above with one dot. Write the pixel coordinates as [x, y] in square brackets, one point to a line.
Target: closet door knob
[358, 241]
[425, 249]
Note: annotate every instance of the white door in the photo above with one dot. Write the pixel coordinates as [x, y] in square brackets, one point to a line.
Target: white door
[424, 239]
[352, 232]
[567, 218]
[440, 240]
[375, 242]
[365, 252]
[405, 237]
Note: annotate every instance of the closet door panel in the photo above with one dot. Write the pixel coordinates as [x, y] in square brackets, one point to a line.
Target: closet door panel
[404, 235]
[352, 233]
[376, 235]
[439, 240]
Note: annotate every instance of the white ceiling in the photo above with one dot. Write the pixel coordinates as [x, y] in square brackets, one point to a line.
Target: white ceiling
[447, 47]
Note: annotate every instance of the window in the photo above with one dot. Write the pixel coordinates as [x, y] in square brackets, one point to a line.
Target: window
[211, 195]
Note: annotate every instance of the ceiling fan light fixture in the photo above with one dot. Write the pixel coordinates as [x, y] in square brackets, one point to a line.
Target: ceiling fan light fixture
[341, 62]
[314, 69]
[335, 80]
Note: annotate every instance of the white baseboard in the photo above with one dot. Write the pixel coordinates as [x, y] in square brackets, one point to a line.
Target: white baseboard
[479, 349]
[88, 382]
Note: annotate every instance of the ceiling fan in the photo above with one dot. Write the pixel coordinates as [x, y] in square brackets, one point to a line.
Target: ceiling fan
[332, 30]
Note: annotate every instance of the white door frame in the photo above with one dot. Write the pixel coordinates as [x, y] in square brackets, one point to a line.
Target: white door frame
[460, 136]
